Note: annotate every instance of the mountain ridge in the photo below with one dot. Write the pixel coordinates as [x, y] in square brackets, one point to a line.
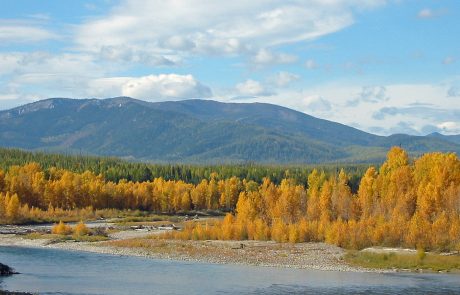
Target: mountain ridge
[197, 131]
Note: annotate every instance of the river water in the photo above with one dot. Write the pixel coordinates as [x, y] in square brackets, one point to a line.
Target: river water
[50, 271]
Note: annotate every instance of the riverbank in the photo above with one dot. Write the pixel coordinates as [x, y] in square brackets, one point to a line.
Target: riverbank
[405, 260]
[318, 256]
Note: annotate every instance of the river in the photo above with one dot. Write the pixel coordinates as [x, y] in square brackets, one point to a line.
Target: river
[51, 271]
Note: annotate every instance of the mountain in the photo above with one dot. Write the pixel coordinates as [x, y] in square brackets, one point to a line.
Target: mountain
[450, 138]
[196, 131]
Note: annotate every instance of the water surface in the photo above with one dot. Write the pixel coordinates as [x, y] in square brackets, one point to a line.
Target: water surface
[50, 271]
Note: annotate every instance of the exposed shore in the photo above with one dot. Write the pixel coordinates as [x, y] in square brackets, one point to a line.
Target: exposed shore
[319, 256]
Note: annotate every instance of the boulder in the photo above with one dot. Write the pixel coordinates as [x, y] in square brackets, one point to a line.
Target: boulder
[5, 270]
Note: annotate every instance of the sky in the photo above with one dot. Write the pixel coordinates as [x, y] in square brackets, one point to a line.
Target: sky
[382, 66]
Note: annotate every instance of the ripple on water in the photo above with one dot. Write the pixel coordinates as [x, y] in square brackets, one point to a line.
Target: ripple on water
[51, 271]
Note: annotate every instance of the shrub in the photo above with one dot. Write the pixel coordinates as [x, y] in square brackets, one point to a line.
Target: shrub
[61, 229]
[81, 229]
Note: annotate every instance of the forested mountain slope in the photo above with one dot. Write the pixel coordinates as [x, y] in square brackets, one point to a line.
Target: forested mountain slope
[196, 131]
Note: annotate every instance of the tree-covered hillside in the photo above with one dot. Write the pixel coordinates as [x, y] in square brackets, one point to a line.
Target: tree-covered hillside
[197, 131]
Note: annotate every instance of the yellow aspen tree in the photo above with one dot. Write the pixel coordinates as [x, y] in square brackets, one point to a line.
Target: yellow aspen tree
[186, 201]
[439, 236]
[454, 234]
[199, 194]
[262, 231]
[342, 201]
[227, 227]
[2, 206]
[294, 236]
[279, 231]
[418, 233]
[61, 229]
[12, 209]
[366, 195]
[2, 181]
[212, 195]
[325, 202]
[81, 229]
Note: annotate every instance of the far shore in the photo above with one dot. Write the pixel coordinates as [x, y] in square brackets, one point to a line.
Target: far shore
[318, 256]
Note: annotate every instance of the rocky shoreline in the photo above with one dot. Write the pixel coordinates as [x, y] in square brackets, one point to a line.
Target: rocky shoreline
[318, 256]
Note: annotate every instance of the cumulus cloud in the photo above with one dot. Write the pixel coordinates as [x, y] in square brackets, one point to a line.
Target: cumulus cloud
[454, 91]
[165, 86]
[449, 127]
[316, 103]
[252, 88]
[311, 64]
[416, 104]
[106, 87]
[449, 60]
[370, 94]
[425, 13]
[428, 13]
[42, 74]
[266, 57]
[373, 94]
[403, 127]
[282, 79]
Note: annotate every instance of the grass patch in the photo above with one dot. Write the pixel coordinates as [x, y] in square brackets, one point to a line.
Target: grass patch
[429, 262]
[42, 236]
[36, 236]
[91, 238]
[62, 238]
[135, 220]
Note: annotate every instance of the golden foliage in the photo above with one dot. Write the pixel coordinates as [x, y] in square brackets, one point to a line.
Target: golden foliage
[61, 229]
[414, 203]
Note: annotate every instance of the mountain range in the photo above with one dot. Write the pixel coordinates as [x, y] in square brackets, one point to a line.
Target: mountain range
[198, 131]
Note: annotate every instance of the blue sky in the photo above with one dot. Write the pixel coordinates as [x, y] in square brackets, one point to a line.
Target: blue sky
[383, 66]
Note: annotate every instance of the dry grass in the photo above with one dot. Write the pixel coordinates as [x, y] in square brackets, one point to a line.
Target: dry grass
[430, 261]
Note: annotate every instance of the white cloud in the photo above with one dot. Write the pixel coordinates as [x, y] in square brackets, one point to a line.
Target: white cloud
[407, 108]
[428, 13]
[38, 62]
[41, 74]
[252, 88]
[311, 64]
[316, 103]
[369, 94]
[216, 27]
[283, 79]
[165, 86]
[449, 60]
[106, 87]
[127, 55]
[425, 13]
[266, 57]
[450, 127]
[454, 91]
[22, 32]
